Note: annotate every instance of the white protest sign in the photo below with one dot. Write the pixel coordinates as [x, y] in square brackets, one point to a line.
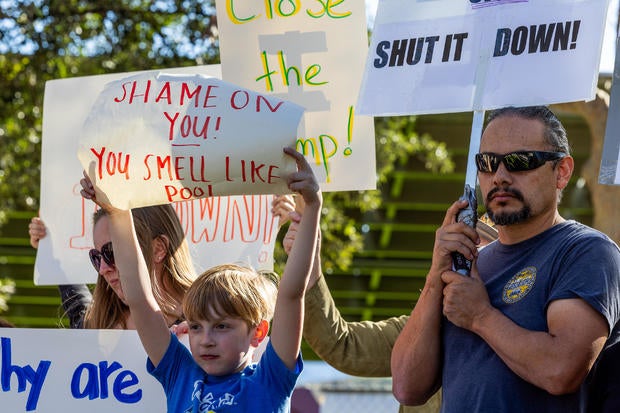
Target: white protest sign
[311, 53]
[159, 138]
[609, 173]
[443, 56]
[218, 230]
[95, 371]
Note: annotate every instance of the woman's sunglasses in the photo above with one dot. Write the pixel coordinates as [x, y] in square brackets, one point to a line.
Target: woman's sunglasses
[515, 161]
[106, 254]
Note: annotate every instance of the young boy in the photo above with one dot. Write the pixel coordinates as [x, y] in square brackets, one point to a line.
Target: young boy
[227, 308]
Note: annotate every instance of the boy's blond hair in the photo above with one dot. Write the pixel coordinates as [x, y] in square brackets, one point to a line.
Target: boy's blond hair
[231, 290]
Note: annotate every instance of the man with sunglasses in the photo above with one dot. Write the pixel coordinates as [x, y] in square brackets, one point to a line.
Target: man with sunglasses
[523, 332]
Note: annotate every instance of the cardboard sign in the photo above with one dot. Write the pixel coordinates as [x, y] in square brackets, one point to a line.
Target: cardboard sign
[609, 173]
[156, 138]
[104, 371]
[311, 53]
[219, 229]
[95, 371]
[442, 56]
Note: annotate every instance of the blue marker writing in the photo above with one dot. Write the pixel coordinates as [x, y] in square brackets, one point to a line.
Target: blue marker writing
[97, 380]
[25, 374]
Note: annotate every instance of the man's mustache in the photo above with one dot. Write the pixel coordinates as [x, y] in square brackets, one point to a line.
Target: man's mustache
[514, 192]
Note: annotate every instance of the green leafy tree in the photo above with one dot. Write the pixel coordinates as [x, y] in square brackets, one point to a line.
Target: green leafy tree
[7, 288]
[396, 142]
[42, 40]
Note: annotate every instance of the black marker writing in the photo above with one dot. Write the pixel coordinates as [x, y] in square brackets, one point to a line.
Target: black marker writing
[394, 53]
[415, 50]
[537, 38]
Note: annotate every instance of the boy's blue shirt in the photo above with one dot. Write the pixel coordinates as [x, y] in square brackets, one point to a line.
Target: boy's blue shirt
[265, 386]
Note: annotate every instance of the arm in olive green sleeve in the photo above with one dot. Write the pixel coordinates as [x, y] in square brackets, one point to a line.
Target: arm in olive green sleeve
[356, 348]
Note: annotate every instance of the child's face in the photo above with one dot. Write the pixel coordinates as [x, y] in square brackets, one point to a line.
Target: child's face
[222, 346]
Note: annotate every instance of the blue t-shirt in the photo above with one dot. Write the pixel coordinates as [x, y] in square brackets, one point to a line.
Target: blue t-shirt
[263, 387]
[569, 260]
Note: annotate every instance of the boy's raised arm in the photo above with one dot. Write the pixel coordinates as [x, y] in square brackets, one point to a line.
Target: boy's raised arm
[135, 279]
[287, 323]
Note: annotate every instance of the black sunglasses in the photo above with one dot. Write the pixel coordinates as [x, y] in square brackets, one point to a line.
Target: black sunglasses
[515, 161]
[106, 253]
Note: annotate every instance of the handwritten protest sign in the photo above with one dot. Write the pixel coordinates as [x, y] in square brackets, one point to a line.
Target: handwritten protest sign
[455, 56]
[311, 53]
[157, 138]
[218, 230]
[97, 371]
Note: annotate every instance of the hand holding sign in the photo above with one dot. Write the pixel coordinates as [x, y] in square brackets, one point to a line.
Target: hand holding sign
[303, 181]
[156, 138]
[89, 191]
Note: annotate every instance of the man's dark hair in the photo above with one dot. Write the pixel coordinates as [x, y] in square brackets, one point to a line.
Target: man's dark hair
[555, 134]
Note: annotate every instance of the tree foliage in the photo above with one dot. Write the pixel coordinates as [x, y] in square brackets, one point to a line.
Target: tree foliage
[396, 142]
[41, 40]
[7, 288]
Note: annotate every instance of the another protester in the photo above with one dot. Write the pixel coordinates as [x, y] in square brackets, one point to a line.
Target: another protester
[523, 331]
[228, 308]
[165, 249]
[357, 348]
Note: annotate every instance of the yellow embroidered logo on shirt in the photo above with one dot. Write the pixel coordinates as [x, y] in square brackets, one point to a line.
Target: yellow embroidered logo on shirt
[519, 285]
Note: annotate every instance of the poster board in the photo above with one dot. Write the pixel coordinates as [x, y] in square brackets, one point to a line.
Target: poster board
[609, 173]
[311, 53]
[100, 371]
[221, 229]
[156, 138]
[445, 56]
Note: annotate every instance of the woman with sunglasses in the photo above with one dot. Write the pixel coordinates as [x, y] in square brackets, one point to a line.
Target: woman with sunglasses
[167, 256]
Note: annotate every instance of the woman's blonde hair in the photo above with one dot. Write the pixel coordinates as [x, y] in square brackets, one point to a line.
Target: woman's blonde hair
[231, 290]
[160, 221]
